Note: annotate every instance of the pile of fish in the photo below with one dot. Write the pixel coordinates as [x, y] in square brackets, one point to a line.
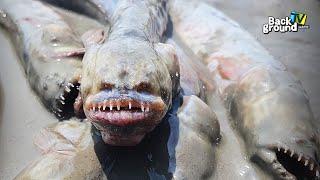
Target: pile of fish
[175, 85]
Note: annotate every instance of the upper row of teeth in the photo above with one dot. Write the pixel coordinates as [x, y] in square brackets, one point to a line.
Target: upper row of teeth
[103, 106]
[61, 99]
[306, 161]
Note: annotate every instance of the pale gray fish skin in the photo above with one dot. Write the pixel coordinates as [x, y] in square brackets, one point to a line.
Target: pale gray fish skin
[199, 163]
[266, 104]
[131, 65]
[201, 133]
[189, 80]
[68, 148]
[40, 36]
[97, 9]
[193, 139]
[79, 23]
[67, 153]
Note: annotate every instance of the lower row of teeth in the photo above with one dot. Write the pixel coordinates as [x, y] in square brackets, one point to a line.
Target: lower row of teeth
[110, 105]
[306, 161]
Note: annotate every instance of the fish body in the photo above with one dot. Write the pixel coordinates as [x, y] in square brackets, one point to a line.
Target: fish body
[185, 150]
[129, 80]
[101, 10]
[194, 137]
[67, 153]
[191, 83]
[151, 61]
[48, 50]
[266, 104]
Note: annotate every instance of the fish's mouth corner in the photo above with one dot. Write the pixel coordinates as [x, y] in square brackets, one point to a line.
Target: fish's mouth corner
[116, 140]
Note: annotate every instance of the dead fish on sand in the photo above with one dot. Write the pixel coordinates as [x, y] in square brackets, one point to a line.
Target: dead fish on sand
[266, 104]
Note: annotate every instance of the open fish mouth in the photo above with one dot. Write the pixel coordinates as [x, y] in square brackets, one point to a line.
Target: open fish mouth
[124, 118]
[298, 164]
[109, 108]
[63, 106]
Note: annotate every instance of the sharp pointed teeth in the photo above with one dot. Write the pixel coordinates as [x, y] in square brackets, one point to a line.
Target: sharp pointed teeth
[67, 89]
[142, 108]
[292, 153]
[311, 166]
[118, 107]
[70, 84]
[62, 102]
[148, 108]
[104, 106]
[59, 110]
[317, 173]
[278, 148]
[306, 162]
[61, 97]
[110, 106]
[285, 150]
[59, 115]
[300, 156]
[129, 105]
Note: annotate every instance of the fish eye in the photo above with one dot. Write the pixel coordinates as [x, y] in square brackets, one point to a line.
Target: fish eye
[107, 86]
[144, 87]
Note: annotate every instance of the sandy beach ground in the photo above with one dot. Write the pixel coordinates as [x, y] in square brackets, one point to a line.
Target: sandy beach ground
[22, 115]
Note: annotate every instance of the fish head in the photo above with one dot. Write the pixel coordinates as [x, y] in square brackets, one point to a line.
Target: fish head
[127, 88]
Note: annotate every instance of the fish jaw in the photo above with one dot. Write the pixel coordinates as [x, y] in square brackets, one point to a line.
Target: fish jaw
[124, 118]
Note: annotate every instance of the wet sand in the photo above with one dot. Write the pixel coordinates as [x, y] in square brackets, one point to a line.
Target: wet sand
[22, 115]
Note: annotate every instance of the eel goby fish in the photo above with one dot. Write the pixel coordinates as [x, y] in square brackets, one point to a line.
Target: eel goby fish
[68, 150]
[189, 78]
[189, 125]
[185, 161]
[128, 81]
[49, 51]
[267, 105]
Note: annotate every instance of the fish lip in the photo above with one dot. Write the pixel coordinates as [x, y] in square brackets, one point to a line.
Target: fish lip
[116, 140]
[122, 109]
[120, 118]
